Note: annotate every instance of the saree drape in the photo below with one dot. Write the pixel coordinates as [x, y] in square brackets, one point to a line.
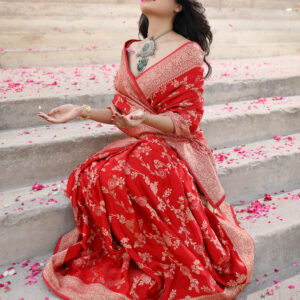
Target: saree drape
[142, 229]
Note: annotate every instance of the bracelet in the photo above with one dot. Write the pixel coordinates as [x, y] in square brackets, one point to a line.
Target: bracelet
[88, 110]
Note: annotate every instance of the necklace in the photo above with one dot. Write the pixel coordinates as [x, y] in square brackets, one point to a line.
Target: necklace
[147, 50]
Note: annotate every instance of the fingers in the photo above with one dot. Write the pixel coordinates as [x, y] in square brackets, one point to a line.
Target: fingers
[137, 114]
[53, 111]
[41, 114]
[50, 119]
[119, 120]
[116, 115]
[47, 118]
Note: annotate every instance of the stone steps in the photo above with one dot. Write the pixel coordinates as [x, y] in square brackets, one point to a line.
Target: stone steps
[27, 225]
[40, 24]
[266, 4]
[45, 213]
[261, 287]
[262, 115]
[28, 39]
[240, 168]
[14, 8]
[251, 121]
[107, 55]
[275, 285]
[206, 2]
[231, 80]
[258, 119]
[57, 147]
[13, 41]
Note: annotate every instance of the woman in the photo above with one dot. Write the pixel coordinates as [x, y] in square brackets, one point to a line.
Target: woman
[151, 220]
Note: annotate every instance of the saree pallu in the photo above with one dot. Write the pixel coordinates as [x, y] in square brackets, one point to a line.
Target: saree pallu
[142, 229]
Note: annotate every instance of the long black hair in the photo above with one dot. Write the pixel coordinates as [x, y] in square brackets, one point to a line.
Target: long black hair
[191, 23]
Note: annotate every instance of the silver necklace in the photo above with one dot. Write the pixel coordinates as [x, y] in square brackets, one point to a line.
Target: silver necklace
[147, 50]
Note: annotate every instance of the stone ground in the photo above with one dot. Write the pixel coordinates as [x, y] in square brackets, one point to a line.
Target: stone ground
[25, 279]
[29, 82]
[22, 279]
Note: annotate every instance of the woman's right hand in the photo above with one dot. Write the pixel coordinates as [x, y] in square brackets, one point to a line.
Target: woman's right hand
[62, 113]
[209, 206]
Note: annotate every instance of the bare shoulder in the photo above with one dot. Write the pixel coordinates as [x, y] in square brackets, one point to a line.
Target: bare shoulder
[194, 45]
[178, 42]
[184, 40]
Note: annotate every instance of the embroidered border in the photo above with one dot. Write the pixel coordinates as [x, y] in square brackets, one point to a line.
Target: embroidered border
[180, 62]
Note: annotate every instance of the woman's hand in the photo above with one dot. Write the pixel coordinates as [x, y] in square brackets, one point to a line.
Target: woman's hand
[128, 121]
[209, 206]
[61, 114]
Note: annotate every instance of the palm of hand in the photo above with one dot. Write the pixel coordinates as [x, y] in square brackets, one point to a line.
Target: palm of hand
[61, 114]
[125, 121]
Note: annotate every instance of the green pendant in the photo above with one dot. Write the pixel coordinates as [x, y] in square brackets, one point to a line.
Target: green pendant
[146, 47]
[142, 63]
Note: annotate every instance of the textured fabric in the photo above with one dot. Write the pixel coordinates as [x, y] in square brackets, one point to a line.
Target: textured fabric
[172, 87]
[142, 229]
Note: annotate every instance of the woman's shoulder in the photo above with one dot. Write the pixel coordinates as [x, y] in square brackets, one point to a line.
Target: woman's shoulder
[195, 45]
[192, 46]
[196, 51]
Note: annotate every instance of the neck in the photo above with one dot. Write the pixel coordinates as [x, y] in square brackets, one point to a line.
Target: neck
[159, 26]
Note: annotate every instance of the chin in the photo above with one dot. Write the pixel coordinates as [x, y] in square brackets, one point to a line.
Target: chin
[147, 3]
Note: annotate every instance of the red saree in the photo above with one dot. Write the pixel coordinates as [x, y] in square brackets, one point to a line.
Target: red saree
[142, 229]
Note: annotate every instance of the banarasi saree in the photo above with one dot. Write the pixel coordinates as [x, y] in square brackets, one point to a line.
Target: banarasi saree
[143, 230]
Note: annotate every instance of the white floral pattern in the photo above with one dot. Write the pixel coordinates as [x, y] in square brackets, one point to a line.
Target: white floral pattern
[142, 229]
[154, 212]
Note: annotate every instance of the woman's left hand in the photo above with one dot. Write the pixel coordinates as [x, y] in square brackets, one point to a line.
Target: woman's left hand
[128, 121]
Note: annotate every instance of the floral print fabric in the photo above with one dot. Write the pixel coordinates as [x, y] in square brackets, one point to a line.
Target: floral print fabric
[142, 229]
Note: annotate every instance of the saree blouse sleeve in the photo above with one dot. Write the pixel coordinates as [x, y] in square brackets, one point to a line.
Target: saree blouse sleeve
[184, 104]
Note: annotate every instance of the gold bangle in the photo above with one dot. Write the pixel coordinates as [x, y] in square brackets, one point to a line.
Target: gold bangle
[88, 110]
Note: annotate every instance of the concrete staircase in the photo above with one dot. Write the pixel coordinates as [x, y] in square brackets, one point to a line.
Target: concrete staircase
[48, 33]
[251, 120]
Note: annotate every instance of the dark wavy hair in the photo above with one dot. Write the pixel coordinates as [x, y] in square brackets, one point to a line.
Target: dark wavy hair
[191, 23]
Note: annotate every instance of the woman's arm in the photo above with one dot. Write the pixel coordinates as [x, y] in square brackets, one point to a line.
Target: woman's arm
[102, 115]
[163, 123]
